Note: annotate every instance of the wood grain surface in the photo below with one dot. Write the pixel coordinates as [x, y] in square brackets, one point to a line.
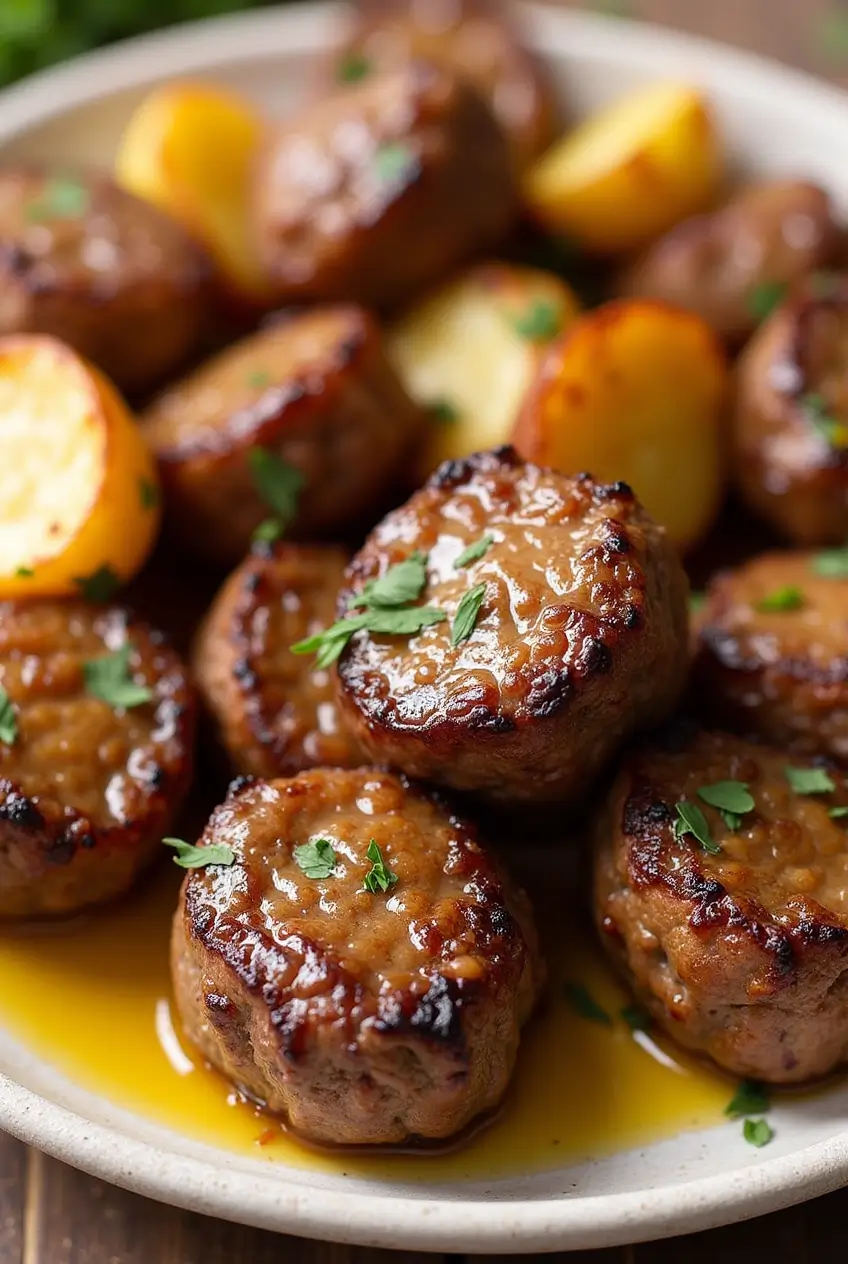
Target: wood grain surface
[50, 1214]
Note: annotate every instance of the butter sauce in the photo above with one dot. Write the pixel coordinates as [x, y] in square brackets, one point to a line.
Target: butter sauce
[582, 1089]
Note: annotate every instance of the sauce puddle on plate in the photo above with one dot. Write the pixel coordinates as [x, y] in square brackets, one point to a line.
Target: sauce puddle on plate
[93, 998]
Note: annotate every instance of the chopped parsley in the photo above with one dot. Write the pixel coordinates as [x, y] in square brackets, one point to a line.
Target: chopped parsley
[540, 322]
[810, 780]
[101, 585]
[258, 378]
[24, 572]
[330, 644]
[583, 1003]
[352, 67]
[61, 198]
[148, 493]
[838, 812]
[316, 858]
[750, 1098]
[402, 583]
[732, 799]
[8, 719]
[379, 877]
[691, 820]
[815, 409]
[443, 411]
[465, 619]
[765, 297]
[278, 483]
[781, 600]
[109, 679]
[697, 601]
[476, 550]
[268, 531]
[831, 564]
[191, 857]
[757, 1132]
[395, 162]
[637, 1018]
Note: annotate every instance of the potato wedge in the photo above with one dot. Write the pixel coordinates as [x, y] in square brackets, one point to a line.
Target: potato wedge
[635, 390]
[78, 485]
[471, 349]
[189, 149]
[630, 171]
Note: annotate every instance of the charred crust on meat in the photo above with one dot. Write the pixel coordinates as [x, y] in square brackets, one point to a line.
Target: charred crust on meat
[614, 491]
[729, 652]
[433, 1017]
[238, 784]
[455, 473]
[18, 809]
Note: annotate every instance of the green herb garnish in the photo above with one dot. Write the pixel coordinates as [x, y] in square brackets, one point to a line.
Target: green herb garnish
[24, 572]
[402, 583]
[475, 551]
[697, 601]
[541, 322]
[816, 410]
[831, 564]
[278, 483]
[148, 493]
[691, 820]
[379, 877]
[100, 586]
[443, 411]
[8, 719]
[637, 1018]
[316, 858]
[731, 798]
[757, 1132]
[330, 644]
[838, 812]
[395, 161]
[191, 857]
[465, 619]
[781, 600]
[109, 679]
[765, 297]
[810, 780]
[61, 198]
[583, 1003]
[750, 1098]
[268, 531]
[352, 67]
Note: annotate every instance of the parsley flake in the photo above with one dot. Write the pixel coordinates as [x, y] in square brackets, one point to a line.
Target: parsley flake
[278, 483]
[476, 550]
[395, 162]
[24, 572]
[697, 601]
[148, 493]
[101, 585]
[330, 644]
[757, 1132]
[765, 297]
[465, 619]
[191, 857]
[268, 531]
[781, 600]
[810, 780]
[316, 858]
[443, 411]
[837, 813]
[691, 820]
[750, 1098]
[61, 198]
[109, 679]
[540, 322]
[352, 67]
[402, 583]
[583, 1003]
[816, 410]
[379, 877]
[637, 1018]
[831, 564]
[8, 719]
[731, 798]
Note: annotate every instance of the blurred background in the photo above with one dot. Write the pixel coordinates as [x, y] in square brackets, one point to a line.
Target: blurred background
[812, 34]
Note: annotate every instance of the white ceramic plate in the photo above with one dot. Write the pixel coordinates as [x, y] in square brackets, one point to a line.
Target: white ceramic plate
[774, 120]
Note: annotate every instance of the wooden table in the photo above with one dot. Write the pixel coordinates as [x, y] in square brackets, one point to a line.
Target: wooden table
[50, 1214]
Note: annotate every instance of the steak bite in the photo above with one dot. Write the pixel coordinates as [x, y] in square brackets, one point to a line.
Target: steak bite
[736, 940]
[276, 713]
[315, 392]
[771, 657]
[95, 752]
[363, 968]
[381, 188]
[562, 634]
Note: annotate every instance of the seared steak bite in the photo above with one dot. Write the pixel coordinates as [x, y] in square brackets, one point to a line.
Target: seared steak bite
[561, 634]
[362, 968]
[731, 922]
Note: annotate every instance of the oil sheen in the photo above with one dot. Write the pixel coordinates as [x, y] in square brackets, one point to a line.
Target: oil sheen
[583, 1087]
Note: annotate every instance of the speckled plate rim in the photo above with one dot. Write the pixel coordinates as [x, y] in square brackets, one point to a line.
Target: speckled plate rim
[271, 1200]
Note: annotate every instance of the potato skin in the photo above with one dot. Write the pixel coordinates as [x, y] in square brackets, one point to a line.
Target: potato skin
[119, 281]
[315, 389]
[477, 39]
[86, 792]
[788, 468]
[426, 185]
[780, 677]
[737, 955]
[566, 658]
[772, 233]
[275, 712]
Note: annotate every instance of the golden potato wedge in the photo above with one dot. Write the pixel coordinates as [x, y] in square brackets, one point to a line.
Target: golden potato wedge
[629, 172]
[635, 390]
[471, 349]
[78, 485]
[189, 149]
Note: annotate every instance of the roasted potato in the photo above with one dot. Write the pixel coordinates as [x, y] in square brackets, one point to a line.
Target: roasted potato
[189, 149]
[634, 390]
[733, 265]
[470, 350]
[475, 38]
[629, 172]
[78, 489]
